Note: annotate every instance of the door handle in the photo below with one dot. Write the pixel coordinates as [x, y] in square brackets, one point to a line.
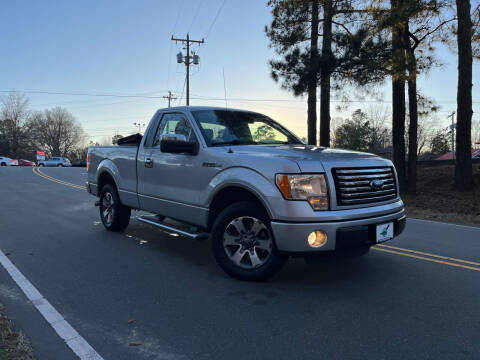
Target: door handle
[148, 163]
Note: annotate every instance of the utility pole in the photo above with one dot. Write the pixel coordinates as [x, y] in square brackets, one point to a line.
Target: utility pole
[188, 59]
[452, 127]
[170, 97]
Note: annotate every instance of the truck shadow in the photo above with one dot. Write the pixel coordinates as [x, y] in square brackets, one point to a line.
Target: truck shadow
[364, 271]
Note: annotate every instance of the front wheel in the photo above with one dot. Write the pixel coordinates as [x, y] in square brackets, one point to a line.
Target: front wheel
[114, 215]
[243, 243]
[59, 165]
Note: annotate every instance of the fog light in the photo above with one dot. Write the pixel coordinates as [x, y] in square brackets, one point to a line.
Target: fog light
[317, 238]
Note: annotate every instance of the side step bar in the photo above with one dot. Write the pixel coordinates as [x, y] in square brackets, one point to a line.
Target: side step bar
[197, 236]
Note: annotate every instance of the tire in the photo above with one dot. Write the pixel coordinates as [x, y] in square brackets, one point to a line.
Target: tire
[119, 217]
[3, 164]
[252, 256]
[40, 165]
[59, 165]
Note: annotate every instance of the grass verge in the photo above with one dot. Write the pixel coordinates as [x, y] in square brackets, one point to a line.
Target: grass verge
[437, 200]
[13, 345]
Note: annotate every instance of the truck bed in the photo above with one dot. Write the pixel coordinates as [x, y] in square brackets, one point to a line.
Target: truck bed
[124, 159]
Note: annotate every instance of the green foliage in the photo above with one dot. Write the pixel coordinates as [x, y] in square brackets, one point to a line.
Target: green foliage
[440, 143]
[360, 51]
[115, 138]
[264, 133]
[354, 134]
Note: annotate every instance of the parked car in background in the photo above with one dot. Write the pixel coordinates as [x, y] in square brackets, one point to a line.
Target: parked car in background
[81, 163]
[23, 162]
[55, 161]
[4, 161]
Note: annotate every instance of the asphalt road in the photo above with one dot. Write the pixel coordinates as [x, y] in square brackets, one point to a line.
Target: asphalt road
[166, 296]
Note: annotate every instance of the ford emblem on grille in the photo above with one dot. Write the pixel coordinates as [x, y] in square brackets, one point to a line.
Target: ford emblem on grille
[376, 184]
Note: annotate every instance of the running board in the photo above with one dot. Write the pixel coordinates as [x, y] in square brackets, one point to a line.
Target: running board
[197, 236]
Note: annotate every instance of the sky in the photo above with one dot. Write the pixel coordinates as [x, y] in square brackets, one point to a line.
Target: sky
[116, 47]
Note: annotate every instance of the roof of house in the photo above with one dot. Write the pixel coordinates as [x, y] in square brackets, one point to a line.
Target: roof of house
[448, 156]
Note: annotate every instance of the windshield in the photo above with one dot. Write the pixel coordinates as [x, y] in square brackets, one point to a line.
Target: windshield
[225, 127]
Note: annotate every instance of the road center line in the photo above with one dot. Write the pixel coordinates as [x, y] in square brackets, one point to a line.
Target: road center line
[73, 339]
[48, 177]
[428, 254]
[426, 258]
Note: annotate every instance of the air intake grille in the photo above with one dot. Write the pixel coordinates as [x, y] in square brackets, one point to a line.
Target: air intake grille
[364, 185]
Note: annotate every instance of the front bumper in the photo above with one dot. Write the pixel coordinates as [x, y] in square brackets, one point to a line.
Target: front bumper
[341, 235]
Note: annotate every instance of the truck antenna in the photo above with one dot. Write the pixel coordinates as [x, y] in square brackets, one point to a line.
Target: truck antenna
[224, 88]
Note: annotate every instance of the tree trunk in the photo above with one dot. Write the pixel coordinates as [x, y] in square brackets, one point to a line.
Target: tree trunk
[325, 74]
[463, 158]
[398, 98]
[312, 79]
[413, 112]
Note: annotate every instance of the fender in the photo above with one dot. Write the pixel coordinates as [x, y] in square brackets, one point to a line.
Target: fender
[107, 165]
[247, 179]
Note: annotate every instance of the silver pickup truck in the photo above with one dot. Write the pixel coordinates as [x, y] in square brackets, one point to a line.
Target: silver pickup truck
[250, 185]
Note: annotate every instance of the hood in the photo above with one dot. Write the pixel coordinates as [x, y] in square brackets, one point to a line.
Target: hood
[311, 158]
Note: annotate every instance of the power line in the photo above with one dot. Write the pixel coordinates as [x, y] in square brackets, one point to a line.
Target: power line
[195, 15]
[215, 18]
[201, 97]
[82, 94]
[170, 97]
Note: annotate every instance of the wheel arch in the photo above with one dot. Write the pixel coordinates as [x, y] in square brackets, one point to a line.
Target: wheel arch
[105, 178]
[230, 194]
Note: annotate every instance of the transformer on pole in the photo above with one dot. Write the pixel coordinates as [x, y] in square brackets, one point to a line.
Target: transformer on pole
[188, 59]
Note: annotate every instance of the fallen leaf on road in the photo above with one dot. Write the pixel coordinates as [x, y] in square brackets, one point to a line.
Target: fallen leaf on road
[134, 344]
[131, 321]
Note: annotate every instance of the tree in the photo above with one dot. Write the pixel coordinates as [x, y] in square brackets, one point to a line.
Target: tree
[347, 52]
[354, 134]
[463, 158]
[13, 116]
[476, 132]
[476, 32]
[56, 131]
[294, 23]
[440, 143]
[115, 138]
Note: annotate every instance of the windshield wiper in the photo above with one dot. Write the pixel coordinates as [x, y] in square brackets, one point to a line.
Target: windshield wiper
[273, 143]
[233, 142]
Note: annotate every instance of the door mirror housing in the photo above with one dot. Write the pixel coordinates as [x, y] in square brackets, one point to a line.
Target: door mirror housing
[178, 144]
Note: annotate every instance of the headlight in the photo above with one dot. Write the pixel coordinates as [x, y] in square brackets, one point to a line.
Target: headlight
[312, 188]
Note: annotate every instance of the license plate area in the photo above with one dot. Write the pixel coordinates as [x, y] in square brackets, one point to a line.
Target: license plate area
[384, 232]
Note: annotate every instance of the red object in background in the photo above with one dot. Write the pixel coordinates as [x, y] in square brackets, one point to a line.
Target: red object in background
[22, 162]
[448, 156]
[41, 153]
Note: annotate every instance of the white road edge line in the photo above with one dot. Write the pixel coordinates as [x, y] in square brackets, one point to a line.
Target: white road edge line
[446, 223]
[73, 339]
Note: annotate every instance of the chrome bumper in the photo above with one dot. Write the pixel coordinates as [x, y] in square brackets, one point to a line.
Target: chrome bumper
[292, 237]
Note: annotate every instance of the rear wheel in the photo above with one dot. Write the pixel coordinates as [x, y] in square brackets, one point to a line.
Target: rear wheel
[41, 165]
[114, 215]
[243, 242]
[59, 165]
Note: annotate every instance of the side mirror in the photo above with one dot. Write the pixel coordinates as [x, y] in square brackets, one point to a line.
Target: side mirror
[177, 144]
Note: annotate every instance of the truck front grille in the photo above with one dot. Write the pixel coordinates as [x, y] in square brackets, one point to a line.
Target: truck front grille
[364, 185]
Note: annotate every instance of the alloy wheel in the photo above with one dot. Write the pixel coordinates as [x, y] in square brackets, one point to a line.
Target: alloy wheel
[247, 242]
